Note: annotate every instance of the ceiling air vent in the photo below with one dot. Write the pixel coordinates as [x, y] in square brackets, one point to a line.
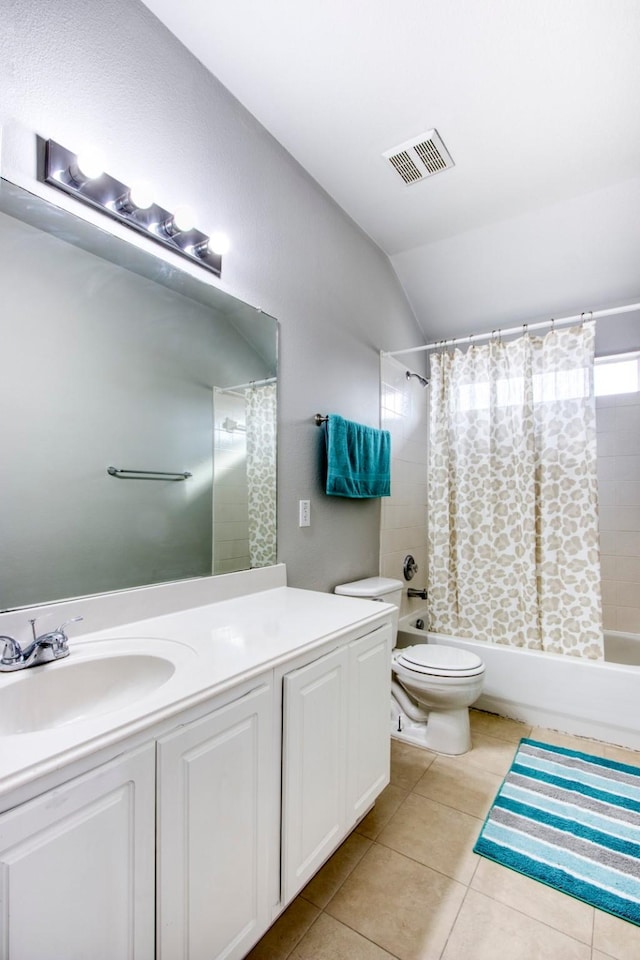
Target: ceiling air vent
[420, 157]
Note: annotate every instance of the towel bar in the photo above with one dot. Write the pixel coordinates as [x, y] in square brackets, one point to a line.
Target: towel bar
[319, 419]
[123, 474]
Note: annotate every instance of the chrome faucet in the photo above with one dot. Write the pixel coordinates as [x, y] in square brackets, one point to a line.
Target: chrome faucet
[53, 645]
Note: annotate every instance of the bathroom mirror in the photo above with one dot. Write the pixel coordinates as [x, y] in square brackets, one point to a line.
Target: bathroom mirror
[112, 357]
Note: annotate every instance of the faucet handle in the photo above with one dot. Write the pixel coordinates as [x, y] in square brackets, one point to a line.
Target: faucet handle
[61, 639]
[57, 638]
[409, 567]
[11, 652]
[66, 623]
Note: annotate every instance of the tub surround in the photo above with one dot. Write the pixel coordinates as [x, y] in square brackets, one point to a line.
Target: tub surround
[404, 411]
[618, 425]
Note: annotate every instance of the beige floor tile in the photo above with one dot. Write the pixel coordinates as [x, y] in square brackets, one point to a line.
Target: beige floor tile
[491, 754]
[399, 904]
[438, 836]
[616, 938]
[385, 807]
[328, 939]
[459, 784]
[486, 929]
[622, 755]
[596, 955]
[286, 932]
[408, 763]
[501, 727]
[568, 740]
[332, 875]
[537, 900]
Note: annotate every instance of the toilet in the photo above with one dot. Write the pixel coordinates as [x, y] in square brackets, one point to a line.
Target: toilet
[432, 685]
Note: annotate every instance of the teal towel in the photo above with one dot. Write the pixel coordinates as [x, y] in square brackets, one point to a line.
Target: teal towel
[358, 459]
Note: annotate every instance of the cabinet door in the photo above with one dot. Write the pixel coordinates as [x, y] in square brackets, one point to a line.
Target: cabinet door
[314, 767]
[77, 867]
[214, 797]
[369, 725]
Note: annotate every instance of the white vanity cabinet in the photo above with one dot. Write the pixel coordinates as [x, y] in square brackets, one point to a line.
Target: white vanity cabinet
[184, 835]
[369, 751]
[77, 867]
[335, 750]
[216, 795]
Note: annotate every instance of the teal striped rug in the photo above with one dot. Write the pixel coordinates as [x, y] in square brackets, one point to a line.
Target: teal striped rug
[572, 821]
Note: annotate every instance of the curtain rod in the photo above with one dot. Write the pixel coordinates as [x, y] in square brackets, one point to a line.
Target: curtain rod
[251, 383]
[586, 315]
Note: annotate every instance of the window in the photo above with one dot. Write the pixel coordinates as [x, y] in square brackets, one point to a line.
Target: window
[612, 375]
[619, 374]
[547, 387]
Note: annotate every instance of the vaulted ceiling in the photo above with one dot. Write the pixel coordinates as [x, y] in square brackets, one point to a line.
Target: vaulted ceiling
[538, 104]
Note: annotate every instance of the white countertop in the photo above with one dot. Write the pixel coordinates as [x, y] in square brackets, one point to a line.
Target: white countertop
[212, 647]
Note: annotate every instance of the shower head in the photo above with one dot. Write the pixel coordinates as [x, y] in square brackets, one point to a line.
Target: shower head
[424, 382]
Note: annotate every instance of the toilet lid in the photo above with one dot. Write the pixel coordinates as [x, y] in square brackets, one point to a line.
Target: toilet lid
[440, 660]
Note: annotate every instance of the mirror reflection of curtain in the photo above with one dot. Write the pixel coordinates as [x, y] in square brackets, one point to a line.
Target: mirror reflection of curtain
[513, 516]
[261, 472]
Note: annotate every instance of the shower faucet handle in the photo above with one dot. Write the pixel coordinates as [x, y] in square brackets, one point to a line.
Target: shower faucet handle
[409, 567]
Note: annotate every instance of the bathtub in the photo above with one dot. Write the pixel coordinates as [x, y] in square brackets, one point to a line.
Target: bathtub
[590, 698]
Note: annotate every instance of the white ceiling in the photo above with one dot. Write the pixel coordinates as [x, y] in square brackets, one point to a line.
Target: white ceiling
[538, 103]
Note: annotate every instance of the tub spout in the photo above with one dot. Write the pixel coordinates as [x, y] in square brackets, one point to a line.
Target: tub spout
[412, 592]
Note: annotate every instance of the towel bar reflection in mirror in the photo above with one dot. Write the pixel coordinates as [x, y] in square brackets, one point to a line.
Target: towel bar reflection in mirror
[147, 474]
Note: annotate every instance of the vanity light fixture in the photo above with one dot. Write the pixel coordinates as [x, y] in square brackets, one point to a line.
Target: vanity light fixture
[82, 176]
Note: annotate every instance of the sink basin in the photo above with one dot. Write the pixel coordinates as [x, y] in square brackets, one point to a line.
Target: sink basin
[63, 692]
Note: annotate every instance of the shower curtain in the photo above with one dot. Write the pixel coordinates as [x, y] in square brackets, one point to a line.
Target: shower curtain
[512, 494]
[261, 473]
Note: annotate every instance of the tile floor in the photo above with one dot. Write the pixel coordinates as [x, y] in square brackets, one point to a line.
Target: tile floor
[405, 884]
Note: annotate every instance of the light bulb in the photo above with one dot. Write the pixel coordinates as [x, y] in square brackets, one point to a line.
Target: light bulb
[141, 195]
[183, 219]
[219, 243]
[137, 197]
[89, 163]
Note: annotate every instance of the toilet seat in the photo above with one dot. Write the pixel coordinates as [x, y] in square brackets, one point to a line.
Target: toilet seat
[439, 660]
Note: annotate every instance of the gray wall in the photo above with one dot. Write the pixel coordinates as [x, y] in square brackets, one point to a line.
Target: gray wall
[110, 74]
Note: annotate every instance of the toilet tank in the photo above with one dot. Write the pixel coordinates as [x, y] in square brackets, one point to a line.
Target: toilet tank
[375, 588]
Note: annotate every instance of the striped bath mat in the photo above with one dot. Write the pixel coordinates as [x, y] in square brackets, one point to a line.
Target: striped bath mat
[572, 821]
